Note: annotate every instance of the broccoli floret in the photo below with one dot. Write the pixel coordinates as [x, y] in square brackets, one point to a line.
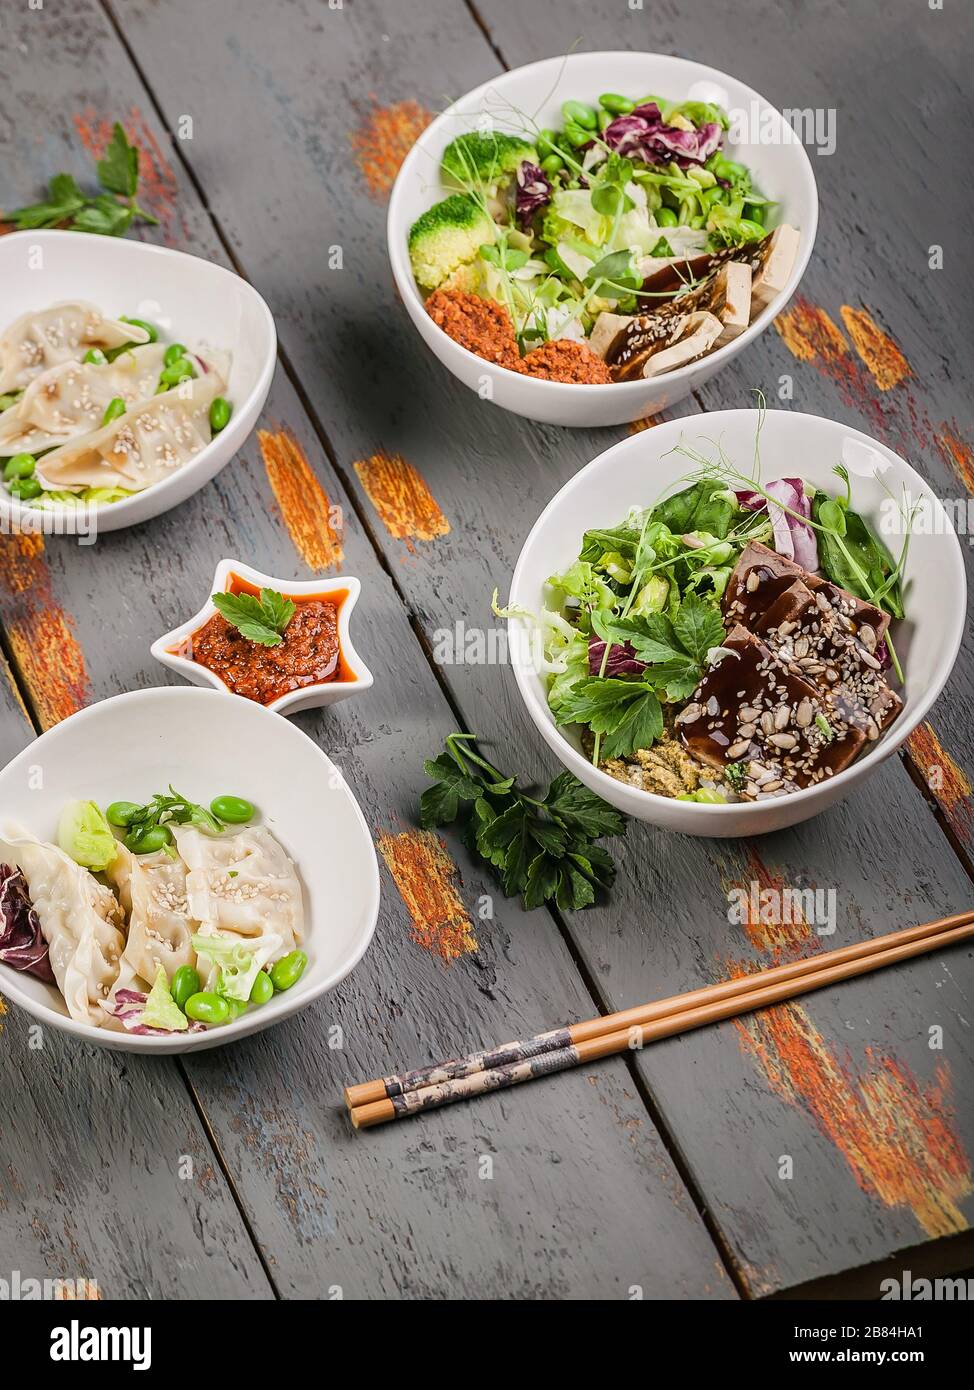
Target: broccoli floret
[484, 159]
[448, 235]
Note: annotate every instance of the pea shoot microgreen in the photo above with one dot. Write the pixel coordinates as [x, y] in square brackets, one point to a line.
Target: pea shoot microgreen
[102, 213]
[543, 849]
[260, 619]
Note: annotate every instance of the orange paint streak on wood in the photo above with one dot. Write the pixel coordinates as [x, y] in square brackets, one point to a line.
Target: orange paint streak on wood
[406, 507]
[425, 875]
[647, 423]
[158, 188]
[773, 919]
[384, 138]
[958, 453]
[951, 787]
[896, 1135]
[810, 334]
[886, 363]
[40, 634]
[307, 513]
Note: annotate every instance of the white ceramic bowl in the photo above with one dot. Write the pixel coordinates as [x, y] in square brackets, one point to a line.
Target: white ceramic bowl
[191, 300]
[778, 161]
[638, 471]
[312, 696]
[206, 744]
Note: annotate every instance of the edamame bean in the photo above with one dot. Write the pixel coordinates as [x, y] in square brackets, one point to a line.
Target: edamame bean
[220, 412]
[756, 213]
[113, 410]
[150, 841]
[150, 328]
[697, 222]
[666, 217]
[551, 164]
[179, 371]
[576, 134]
[617, 105]
[263, 990]
[579, 113]
[26, 488]
[288, 970]
[96, 357]
[19, 466]
[605, 120]
[121, 813]
[173, 353]
[232, 809]
[185, 983]
[207, 1008]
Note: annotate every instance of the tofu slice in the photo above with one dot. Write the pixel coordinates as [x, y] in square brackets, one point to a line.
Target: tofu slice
[732, 300]
[698, 335]
[607, 328]
[775, 267]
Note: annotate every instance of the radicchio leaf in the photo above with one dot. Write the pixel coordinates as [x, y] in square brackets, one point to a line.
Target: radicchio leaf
[792, 538]
[128, 1005]
[533, 192]
[22, 945]
[622, 659]
[643, 134]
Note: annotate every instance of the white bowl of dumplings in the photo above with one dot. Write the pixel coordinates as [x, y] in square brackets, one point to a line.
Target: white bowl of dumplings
[66, 293]
[306, 862]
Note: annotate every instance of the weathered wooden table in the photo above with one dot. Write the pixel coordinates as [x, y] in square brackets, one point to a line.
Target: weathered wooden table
[665, 1173]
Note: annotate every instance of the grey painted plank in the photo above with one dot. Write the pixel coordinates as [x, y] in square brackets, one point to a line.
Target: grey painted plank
[724, 1096]
[407, 1212]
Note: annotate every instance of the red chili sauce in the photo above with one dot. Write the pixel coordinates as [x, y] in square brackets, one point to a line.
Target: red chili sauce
[309, 653]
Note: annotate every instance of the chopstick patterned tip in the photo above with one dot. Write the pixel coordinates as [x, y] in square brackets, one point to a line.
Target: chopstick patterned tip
[490, 1059]
[464, 1087]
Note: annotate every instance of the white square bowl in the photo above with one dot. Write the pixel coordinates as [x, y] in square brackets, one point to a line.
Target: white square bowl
[206, 744]
[191, 300]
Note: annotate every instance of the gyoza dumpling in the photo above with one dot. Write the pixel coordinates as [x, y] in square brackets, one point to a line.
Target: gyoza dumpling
[63, 333]
[243, 882]
[148, 443]
[152, 891]
[80, 919]
[70, 399]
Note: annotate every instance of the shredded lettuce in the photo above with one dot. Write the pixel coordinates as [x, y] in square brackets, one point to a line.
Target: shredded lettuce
[161, 1009]
[84, 834]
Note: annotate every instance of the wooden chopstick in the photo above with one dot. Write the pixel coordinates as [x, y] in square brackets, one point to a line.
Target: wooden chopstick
[527, 1049]
[634, 1028]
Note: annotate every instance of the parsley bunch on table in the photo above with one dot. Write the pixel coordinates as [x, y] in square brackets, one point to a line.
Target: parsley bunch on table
[66, 203]
[543, 849]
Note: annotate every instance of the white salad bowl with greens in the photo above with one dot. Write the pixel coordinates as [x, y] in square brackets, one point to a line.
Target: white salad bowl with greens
[612, 500]
[174, 650]
[204, 745]
[529, 99]
[216, 315]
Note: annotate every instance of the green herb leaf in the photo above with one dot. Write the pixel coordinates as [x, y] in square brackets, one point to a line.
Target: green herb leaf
[698, 627]
[542, 849]
[118, 170]
[262, 619]
[104, 216]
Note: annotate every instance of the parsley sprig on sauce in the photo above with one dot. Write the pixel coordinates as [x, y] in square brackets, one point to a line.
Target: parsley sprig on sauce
[543, 849]
[262, 619]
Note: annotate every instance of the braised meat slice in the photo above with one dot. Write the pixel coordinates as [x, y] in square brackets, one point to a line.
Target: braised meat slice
[752, 709]
[811, 636]
[761, 575]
